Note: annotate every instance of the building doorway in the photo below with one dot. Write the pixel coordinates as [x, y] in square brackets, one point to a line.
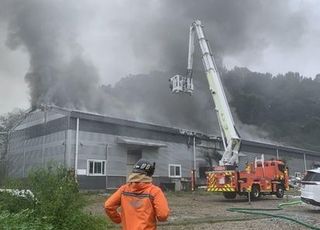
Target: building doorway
[133, 155]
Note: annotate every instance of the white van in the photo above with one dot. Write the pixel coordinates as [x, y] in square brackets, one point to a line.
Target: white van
[310, 187]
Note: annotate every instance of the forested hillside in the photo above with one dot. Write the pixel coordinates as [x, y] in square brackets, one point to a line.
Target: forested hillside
[286, 106]
[148, 98]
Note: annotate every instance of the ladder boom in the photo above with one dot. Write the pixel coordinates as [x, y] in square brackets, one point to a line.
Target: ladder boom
[232, 140]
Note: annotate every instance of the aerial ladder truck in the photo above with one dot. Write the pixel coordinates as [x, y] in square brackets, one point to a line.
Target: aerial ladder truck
[259, 177]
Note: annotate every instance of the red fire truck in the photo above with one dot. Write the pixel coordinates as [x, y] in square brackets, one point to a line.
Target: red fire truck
[260, 177]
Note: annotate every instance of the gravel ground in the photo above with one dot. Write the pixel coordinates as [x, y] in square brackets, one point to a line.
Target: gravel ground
[202, 210]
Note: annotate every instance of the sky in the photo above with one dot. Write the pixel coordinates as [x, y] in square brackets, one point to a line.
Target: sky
[96, 42]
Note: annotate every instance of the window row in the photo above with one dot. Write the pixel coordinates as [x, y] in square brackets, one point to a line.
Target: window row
[98, 168]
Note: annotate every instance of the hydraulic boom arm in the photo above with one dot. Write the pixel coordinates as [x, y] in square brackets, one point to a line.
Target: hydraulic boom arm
[231, 139]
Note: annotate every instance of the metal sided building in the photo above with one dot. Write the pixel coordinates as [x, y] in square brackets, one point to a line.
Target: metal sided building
[102, 149]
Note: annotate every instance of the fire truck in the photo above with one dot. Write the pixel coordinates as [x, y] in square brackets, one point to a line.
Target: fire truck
[259, 177]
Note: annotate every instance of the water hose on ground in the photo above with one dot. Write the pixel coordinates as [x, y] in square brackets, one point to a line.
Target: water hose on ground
[265, 212]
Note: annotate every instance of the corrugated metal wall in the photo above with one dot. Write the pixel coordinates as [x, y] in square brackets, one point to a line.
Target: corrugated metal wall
[50, 136]
[36, 142]
[99, 146]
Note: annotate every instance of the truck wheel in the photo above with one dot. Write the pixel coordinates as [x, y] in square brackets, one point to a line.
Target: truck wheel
[229, 195]
[280, 191]
[255, 192]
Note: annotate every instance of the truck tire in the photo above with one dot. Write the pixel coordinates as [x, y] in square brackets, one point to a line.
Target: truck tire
[280, 191]
[255, 192]
[230, 195]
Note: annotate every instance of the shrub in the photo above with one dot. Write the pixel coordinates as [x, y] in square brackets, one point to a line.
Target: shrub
[57, 204]
[57, 194]
[15, 204]
[23, 220]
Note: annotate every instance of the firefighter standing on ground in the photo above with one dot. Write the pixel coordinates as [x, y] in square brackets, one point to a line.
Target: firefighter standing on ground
[142, 203]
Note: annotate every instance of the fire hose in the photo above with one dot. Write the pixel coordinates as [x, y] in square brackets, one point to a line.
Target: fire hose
[265, 212]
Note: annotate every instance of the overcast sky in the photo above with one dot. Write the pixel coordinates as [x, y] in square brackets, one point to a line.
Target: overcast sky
[118, 38]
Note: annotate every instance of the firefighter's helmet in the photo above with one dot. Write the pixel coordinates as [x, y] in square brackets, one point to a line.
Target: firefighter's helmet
[145, 167]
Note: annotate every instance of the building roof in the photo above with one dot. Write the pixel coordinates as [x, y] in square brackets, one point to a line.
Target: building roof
[37, 117]
[281, 148]
[56, 112]
[135, 124]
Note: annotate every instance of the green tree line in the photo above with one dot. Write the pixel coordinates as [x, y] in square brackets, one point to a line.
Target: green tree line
[285, 105]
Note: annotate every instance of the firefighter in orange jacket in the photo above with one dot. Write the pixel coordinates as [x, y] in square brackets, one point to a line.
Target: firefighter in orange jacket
[142, 203]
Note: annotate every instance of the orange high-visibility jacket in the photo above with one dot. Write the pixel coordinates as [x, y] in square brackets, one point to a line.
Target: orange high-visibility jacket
[142, 205]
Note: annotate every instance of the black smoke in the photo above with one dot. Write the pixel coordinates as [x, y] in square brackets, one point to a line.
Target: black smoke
[157, 33]
[58, 72]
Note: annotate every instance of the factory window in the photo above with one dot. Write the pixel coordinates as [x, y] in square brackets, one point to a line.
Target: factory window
[96, 167]
[174, 170]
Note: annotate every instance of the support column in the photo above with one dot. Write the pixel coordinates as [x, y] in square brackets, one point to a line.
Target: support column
[305, 162]
[77, 149]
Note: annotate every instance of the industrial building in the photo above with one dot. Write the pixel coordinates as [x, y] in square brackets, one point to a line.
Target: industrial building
[103, 149]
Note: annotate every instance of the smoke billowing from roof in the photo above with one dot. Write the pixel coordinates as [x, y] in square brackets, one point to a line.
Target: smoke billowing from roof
[58, 73]
[153, 33]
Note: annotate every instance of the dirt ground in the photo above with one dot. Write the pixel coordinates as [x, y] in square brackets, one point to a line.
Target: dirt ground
[202, 210]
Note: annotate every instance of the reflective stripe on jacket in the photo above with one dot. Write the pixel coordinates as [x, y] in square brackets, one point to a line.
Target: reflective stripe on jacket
[142, 205]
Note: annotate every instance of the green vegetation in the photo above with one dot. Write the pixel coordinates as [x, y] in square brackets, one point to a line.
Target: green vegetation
[287, 106]
[57, 204]
[24, 219]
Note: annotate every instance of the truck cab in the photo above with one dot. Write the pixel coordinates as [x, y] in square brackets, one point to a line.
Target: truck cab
[265, 177]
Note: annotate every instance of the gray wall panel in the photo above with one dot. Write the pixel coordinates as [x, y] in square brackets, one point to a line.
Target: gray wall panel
[97, 140]
[115, 181]
[35, 152]
[116, 129]
[92, 182]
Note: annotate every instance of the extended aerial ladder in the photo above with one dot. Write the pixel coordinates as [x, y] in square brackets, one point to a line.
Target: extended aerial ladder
[184, 84]
[260, 176]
